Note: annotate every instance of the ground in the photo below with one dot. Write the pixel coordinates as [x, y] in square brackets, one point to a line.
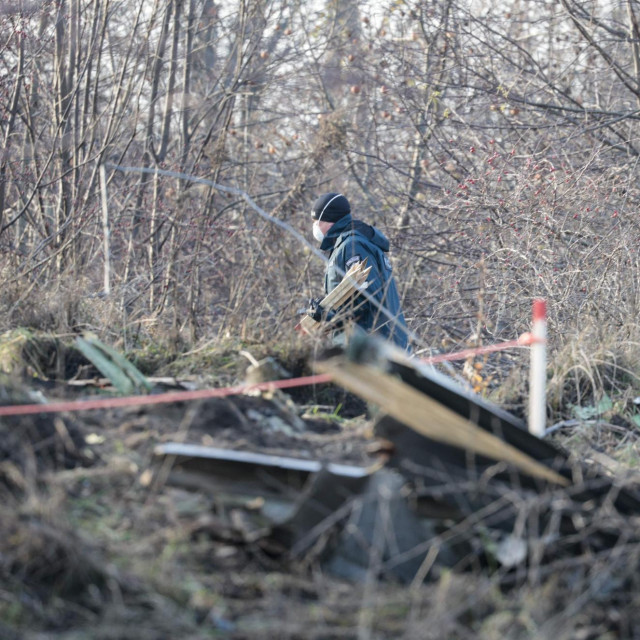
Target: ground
[93, 545]
[92, 549]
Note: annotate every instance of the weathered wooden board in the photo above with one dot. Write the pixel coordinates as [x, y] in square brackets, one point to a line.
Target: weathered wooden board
[436, 408]
[436, 427]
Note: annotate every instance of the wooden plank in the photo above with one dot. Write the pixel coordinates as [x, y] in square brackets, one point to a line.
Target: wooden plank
[354, 281]
[429, 417]
[424, 450]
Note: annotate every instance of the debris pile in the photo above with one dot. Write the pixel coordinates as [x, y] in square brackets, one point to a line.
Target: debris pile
[442, 496]
[455, 483]
[32, 444]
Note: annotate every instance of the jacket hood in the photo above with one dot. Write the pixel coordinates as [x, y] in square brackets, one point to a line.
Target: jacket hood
[346, 226]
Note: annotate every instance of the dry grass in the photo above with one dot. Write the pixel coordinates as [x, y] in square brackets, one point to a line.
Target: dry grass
[595, 372]
[91, 552]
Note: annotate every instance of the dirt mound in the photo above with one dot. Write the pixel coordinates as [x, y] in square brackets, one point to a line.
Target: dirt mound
[48, 558]
[32, 444]
[27, 354]
[265, 423]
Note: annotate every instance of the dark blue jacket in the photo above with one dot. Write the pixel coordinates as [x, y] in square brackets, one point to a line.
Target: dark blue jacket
[349, 241]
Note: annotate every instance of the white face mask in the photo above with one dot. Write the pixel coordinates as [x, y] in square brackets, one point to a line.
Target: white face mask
[317, 232]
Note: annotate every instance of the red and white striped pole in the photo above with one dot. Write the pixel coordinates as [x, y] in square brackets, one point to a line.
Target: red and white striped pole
[538, 371]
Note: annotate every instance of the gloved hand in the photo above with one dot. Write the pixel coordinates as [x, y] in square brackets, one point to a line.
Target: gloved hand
[315, 309]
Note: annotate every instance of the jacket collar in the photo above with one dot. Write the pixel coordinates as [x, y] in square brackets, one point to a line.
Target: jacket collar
[334, 233]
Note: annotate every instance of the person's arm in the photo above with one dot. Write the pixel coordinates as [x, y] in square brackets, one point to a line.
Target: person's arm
[360, 308]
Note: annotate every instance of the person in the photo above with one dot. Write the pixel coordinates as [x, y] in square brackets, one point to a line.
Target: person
[347, 242]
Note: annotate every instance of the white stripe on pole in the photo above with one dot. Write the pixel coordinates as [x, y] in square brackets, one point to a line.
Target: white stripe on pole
[538, 371]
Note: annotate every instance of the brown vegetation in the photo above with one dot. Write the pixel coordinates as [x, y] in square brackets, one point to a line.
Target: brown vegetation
[148, 152]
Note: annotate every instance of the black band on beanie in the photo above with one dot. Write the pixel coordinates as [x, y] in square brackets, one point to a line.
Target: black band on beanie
[330, 207]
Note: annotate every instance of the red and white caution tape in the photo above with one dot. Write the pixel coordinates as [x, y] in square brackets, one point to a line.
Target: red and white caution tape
[161, 398]
[525, 340]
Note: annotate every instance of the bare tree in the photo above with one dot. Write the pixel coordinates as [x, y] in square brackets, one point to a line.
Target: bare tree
[495, 145]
